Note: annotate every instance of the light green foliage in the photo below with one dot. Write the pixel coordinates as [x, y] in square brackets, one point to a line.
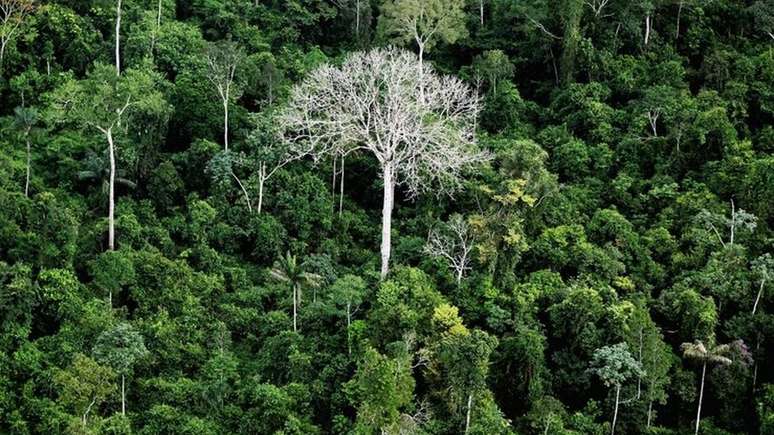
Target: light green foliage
[615, 364]
[422, 22]
[84, 386]
[120, 348]
[381, 389]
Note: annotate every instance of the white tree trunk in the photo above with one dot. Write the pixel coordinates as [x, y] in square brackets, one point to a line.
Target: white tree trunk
[295, 308]
[225, 121]
[481, 11]
[389, 193]
[757, 298]
[118, 37]
[647, 29]
[27, 180]
[111, 192]
[261, 181]
[701, 397]
[244, 192]
[467, 417]
[123, 395]
[158, 27]
[615, 412]
[2, 55]
[650, 413]
[349, 323]
[679, 12]
[357, 19]
[341, 187]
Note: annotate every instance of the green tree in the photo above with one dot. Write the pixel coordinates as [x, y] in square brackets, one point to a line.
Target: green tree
[120, 348]
[224, 58]
[25, 119]
[287, 270]
[464, 357]
[85, 385]
[615, 365]
[107, 104]
[381, 389]
[348, 291]
[763, 268]
[424, 22]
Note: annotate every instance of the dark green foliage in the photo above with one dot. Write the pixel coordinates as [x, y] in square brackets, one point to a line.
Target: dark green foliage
[627, 210]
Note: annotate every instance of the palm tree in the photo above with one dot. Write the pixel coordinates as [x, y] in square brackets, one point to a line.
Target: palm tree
[287, 270]
[715, 355]
[25, 119]
[96, 169]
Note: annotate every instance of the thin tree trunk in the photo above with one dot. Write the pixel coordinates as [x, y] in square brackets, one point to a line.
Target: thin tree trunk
[349, 323]
[467, 417]
[341, 187]
[757, 298]
[295, 309]
[357, 19]
[650, 413]
[88, 409]
[701, 397]
[244, 192]
[261, 181]
[615, 412]
[118, 37]
[333, 176]
[2, 53]
[647, 29]
[733, 222]
[639, 359]
[111, 193]
[389, 192]
[123, 395]
[481, 11]
[158, 27]
[679, 13]
[27, 180]
[225, 121]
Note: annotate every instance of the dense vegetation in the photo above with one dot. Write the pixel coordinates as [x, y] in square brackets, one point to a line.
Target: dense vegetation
[190, 221]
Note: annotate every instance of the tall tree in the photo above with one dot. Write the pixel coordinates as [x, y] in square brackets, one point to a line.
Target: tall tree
[615, 365]
[12, 16]
[349, 291]
[107, 104]
[287, 270]
[763, 268]
[118, 37]
[85, 385]
[739, 220]
[714, 355]
[425, 22]
[223, 59]
[25, 119]
[120, 348]
[268, 152]
[372, 103]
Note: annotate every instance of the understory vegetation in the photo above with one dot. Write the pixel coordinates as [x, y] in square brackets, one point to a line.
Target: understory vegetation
[386, 217]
